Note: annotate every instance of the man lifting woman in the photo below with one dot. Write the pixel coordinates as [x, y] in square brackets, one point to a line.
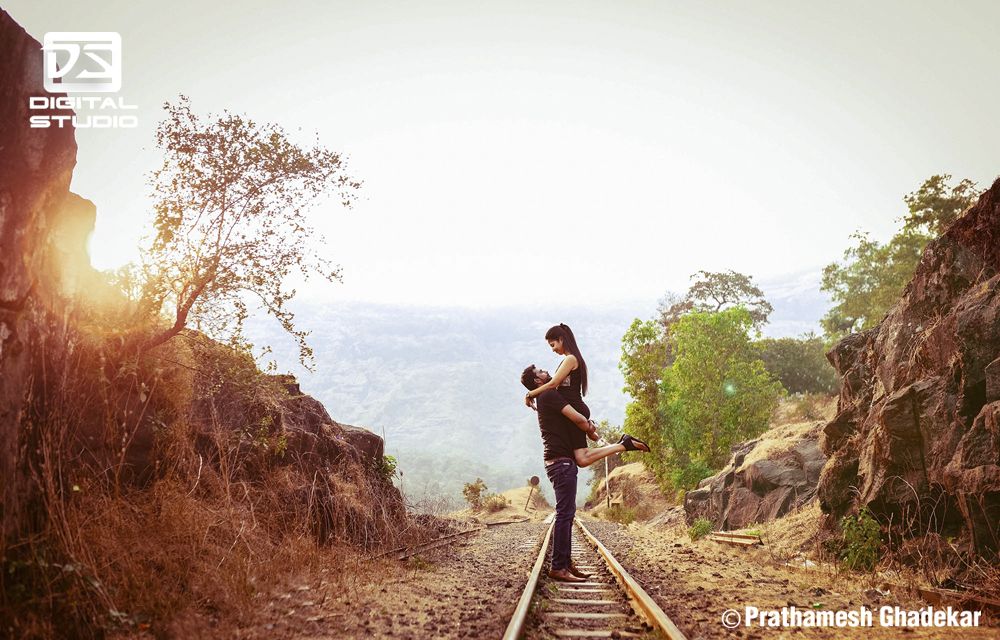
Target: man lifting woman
[565, 424]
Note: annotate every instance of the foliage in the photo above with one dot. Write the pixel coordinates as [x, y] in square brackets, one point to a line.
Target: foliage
[645, 355]
[387, 467]
[620, 513]
[873, 275]
[131, 532]
[800, 364]
[687, 473]
[717, 393]
[230, 227]
[870, 281]
[495, 502]
[473, 493]
[701, 528]
[696, 390]
[935, 205]
[862, 541]
[716, 291]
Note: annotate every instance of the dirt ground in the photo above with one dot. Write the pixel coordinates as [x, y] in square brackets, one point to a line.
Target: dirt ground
[465, 590]
[695, 582]
[469, 589]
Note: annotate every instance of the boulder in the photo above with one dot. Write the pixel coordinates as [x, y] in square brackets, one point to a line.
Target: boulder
[367, 443]
[306, 423]
[765, 479]
[914, 438]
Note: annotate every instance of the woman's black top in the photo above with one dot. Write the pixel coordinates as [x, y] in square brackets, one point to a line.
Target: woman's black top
[571, 390]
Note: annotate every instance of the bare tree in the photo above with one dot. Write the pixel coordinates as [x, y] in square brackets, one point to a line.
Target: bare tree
[723, 290]
[716, 291]
[230, 227]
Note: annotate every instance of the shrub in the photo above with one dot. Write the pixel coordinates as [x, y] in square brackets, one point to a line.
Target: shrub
[862, 541]
[495, 502]
[473, 493]
[387, 467]
[701, 528]
[688, 474]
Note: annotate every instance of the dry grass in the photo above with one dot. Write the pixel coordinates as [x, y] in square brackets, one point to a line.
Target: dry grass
[795, 536]
[162, 496]
[780, 440]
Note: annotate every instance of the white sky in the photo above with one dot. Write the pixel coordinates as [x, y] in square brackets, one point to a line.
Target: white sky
[615, 148]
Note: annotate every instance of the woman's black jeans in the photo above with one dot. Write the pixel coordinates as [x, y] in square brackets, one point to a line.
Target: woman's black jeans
[562, 474]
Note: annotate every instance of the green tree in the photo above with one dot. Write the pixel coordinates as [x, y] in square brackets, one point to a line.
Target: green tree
[645, 355]
[873, 275]
[230, 227]
[935, 205]
[800, 364]
[716, 393]
[870, 281]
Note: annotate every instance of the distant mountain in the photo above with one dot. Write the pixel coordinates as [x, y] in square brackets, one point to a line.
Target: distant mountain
[442, 384]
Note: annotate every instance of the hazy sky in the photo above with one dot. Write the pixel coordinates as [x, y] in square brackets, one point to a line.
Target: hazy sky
[518, 152]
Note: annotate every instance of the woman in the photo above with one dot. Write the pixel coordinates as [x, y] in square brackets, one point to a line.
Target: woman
[570, 379]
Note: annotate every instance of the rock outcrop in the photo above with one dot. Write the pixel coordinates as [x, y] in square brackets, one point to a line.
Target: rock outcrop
[765, 479]
[36, 166]
[917, 435]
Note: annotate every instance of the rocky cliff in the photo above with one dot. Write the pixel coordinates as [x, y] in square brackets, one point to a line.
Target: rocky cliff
[917, 435]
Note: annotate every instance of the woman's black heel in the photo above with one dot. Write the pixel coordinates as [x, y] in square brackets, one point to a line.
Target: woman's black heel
[630, 443]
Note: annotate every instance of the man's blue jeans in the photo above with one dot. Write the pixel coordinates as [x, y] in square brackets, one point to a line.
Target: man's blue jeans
[562, 474]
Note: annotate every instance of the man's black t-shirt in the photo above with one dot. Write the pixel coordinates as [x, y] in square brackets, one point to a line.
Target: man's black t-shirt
[559, 435]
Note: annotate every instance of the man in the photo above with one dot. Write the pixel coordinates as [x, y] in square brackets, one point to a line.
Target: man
[564, 438]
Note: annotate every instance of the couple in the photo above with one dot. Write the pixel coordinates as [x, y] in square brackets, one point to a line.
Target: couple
[565, 423]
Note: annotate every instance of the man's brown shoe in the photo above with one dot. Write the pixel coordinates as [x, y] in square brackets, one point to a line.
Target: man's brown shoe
[563, 575]
[576, 572]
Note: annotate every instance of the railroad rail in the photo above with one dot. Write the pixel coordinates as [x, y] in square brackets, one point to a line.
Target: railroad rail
[610, 604]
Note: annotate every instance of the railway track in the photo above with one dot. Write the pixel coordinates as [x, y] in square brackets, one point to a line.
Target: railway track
[610, 604]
